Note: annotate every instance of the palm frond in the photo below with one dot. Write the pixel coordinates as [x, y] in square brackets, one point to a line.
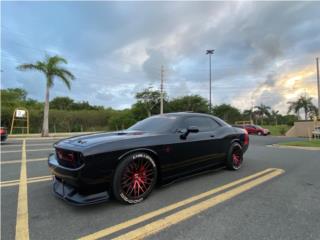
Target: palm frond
[67, 73]
[25, 67]
[55, 60]
[65, 80]
[63, 77]
[50, 67]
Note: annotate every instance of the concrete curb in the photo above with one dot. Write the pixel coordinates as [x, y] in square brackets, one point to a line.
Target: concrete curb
[295, 147]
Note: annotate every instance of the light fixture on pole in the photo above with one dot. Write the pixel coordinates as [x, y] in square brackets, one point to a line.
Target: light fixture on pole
[210, 52]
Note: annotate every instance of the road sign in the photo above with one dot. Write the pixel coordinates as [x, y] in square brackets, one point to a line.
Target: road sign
[20, 120]
[20, 113]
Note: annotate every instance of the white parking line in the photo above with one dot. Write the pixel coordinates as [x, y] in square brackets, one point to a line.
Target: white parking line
[11, 183]
[28, 145]
[19, 161]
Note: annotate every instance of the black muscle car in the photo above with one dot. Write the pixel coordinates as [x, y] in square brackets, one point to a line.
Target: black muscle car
[128, 164]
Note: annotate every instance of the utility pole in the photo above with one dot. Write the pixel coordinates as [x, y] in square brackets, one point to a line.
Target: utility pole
[210, 52]
[161, 90]
[252, 106]
[318, 82]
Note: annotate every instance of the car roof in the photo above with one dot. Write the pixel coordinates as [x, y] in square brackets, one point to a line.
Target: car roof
[188, 114]
[195, 114]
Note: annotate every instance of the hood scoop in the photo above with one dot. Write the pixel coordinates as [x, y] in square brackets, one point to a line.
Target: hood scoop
[82, 141]
[129, 133]
[90, 140]
[122, 133]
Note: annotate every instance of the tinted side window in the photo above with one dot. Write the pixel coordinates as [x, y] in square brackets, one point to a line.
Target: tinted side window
[203, 123]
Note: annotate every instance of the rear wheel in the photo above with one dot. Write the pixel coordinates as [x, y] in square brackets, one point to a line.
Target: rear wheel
[235, 157]
[259, 133]
[134, 178]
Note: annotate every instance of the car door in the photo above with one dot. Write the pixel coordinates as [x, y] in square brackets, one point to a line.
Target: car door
[197, 151]
[251, 129]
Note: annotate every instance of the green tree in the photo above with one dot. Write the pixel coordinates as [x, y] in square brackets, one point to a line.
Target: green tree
[262, 110]
[84, 105]
[61, 103]
[13, 96]
[139, 111]
[121, 120]
[194, 103]
[51, 68]
[287, 119]
[227, 112]
[274, 116]
[304, 103]
[149, 99]
[249, 114]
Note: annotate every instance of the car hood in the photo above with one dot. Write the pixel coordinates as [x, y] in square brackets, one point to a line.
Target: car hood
[98, 138]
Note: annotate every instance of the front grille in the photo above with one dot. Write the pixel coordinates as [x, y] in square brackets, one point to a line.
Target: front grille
[69, 158]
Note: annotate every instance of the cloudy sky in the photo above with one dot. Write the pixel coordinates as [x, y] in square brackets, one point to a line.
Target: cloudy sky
[264, 51]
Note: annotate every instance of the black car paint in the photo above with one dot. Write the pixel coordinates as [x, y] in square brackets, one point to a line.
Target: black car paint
[175, 157]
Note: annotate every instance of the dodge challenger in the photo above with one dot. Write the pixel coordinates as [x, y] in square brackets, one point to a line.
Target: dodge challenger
[128, 164]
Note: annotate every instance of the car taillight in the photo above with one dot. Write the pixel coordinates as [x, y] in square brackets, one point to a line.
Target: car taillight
[246, 138]
[3, 131]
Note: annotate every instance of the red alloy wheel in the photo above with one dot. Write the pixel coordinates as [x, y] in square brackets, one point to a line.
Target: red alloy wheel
[237, 158]
[137, 178]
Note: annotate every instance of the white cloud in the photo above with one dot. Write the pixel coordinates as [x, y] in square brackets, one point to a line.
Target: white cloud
[263, 49]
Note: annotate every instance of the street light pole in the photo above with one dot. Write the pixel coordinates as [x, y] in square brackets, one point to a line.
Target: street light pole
[161, 91]
[318, 82]
[210, 52]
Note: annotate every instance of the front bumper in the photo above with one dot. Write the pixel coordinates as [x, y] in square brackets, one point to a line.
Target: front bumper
[68, 185]
[71, 195]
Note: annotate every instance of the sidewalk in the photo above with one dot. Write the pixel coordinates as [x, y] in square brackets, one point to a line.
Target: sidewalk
[295, 147]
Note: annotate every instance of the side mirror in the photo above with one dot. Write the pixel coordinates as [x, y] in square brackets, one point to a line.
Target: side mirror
[191, 129]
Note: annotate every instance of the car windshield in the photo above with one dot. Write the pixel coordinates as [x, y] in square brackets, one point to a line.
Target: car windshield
[155, 124]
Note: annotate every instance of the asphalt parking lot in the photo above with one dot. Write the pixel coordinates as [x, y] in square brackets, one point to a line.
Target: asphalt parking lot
[280, 203]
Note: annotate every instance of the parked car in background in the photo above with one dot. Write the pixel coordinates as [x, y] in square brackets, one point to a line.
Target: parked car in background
[3, 133]
[316, 132]
[254, 129]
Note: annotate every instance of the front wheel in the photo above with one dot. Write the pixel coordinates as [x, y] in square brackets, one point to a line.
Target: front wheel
[134, 178]
[235, 157]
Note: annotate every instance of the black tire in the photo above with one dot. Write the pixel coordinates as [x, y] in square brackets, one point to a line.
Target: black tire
[136, 172]
[232, 163]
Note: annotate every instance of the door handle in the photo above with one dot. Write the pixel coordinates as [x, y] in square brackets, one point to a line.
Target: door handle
[212, 136]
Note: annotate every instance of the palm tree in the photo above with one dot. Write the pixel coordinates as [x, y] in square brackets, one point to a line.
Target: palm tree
[304, 103]
[262, 110]
[249, 113]
[51, 69]
[275, 115]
